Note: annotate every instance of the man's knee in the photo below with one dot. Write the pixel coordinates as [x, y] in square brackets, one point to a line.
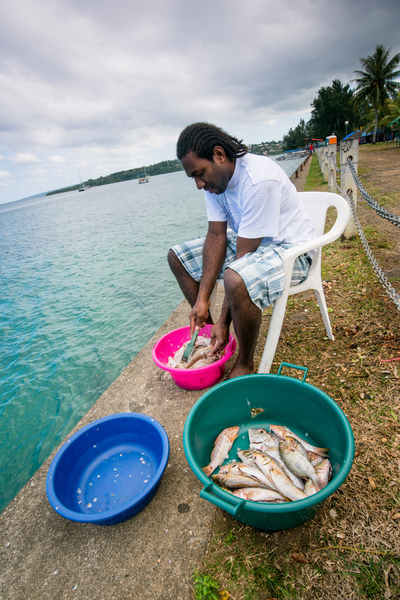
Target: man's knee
[233, 282]
[174, 262]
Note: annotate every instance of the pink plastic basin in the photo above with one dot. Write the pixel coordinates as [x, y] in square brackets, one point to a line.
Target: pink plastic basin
[191, 379]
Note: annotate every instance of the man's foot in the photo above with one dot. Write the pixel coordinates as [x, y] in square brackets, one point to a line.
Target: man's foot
[239, 370]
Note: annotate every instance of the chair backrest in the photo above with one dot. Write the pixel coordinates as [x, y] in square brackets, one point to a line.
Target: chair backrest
[316, 205]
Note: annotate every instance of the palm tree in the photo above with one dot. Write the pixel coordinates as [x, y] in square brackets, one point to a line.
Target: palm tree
[393, 112]
[375, 84]
[392, 109]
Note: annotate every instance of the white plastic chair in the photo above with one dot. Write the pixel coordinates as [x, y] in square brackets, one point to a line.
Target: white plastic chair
[316, 205]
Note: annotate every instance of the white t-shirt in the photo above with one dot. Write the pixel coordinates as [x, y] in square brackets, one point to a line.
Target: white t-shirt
[261, 202]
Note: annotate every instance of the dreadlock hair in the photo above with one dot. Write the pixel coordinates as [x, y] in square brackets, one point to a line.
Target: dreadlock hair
[201, 138]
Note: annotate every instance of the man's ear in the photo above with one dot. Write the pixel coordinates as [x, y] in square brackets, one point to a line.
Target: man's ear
[219, 155]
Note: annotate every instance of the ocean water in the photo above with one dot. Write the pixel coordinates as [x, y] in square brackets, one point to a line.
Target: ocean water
[84, 285]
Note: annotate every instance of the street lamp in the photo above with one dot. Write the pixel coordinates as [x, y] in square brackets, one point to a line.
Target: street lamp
[346, 123]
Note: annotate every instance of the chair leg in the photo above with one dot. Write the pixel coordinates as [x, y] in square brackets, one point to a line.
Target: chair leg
[274, 332]
[324, 311]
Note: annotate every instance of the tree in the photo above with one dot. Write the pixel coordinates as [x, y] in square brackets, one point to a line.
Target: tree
[375, 83]
[295, 138]
[392, 109]
[368, 120]
[331, 109]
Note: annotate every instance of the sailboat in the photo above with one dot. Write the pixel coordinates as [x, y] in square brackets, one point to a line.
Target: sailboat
[143, 177]
[83, 187]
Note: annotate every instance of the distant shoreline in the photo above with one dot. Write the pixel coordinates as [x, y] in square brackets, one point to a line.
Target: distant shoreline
[166, 166]
[161, 168]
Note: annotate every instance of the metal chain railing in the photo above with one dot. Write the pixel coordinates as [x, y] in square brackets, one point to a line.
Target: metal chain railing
[382, 212]
[393, 295]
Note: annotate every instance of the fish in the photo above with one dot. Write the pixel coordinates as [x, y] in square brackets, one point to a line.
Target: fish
[240, 475]
[309, 488]
[199, 357]
[204, 362]
[176, 359]
[234, 481]
[221, 448]
[299, 464]
[255, 473]
[261, 439]
[314, 458]
[283, 431]
[259, 495]
[269, 469]
[277, 477]
[299, 446]
[224, 469]
[246, 456]
[324, 470]
[230, 476]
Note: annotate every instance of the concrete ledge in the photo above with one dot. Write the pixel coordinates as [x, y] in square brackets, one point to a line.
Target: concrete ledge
[150, 557]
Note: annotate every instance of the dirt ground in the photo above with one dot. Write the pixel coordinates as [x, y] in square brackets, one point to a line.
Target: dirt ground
[351, 548]
[380, 175]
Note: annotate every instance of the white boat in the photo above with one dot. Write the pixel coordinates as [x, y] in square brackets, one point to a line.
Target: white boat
[83, 187]
[143, 177]
[295, 154]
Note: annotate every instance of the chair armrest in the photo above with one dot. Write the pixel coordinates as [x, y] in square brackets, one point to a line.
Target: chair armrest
[290, 255]
[313, 244]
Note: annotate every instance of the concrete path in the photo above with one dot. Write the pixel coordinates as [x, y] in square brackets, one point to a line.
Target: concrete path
[149, 557]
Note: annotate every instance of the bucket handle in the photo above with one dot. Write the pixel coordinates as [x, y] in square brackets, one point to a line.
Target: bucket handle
[232, 509]
[284, 364]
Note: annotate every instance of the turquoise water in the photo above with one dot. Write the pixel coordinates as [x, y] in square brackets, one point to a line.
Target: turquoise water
[84, 285]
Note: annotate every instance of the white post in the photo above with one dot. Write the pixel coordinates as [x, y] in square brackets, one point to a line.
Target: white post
[325, 169]
[349, 149]
[332, 168]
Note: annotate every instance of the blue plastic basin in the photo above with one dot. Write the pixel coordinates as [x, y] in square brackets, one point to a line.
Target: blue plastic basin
[109, 470]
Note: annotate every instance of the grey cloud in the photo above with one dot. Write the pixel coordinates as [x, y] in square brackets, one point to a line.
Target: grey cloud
[96, 79]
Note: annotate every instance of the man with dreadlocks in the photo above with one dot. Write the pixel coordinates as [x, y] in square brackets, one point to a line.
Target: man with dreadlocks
[254, 214]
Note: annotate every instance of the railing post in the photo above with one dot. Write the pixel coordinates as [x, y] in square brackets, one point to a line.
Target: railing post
[332, 148]
[349, 149]
[325, 168]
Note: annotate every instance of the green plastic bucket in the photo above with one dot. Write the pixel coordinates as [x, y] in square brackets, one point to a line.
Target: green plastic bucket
[289, 401]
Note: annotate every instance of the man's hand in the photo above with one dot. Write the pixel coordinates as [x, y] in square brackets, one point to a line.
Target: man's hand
[214, 252]
[219, 337]
[198, 316]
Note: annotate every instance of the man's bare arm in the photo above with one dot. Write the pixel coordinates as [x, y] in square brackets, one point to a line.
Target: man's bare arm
[214, 253]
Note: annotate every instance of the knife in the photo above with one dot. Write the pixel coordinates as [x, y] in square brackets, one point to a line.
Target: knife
[189, 347]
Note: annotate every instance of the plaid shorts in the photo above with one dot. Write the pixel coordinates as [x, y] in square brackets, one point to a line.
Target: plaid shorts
[262, 271]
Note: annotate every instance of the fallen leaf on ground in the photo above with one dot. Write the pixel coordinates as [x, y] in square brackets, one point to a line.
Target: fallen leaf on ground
[298, 557]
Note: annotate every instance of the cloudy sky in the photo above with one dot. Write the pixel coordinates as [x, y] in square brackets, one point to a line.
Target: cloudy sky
[106, 85]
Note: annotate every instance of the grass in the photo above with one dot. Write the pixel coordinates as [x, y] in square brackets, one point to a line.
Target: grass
[315, 180]
[239, 560]
[205, 587]
[351, 548]
[378, 147]
[372, 576]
